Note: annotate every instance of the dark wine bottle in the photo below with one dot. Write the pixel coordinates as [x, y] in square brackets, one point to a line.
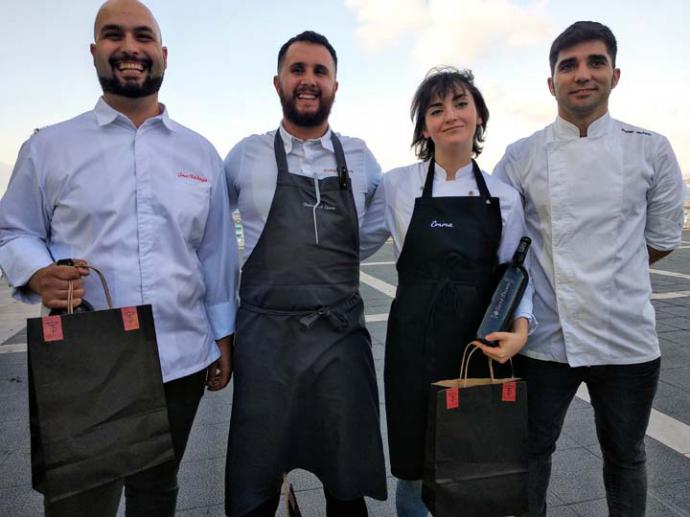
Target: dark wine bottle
[507, 296]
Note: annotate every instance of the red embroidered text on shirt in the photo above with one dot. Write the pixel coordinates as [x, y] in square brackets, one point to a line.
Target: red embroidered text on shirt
[192, 176]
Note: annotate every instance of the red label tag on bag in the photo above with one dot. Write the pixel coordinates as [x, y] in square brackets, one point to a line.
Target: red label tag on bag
[452, 398]
[509, 392]
[130, 318]
[52, 328]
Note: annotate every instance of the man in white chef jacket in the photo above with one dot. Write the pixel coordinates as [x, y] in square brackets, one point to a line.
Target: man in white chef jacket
[603, 200]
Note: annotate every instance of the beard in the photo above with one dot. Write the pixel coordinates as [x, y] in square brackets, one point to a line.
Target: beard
[129, 89]
[311, 119]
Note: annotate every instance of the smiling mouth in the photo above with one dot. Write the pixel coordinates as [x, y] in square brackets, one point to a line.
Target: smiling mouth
[583, 91]
[124, 65]
[129, 64]
[307, 96]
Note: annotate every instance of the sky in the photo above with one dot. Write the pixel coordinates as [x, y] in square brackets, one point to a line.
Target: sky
[222, 58]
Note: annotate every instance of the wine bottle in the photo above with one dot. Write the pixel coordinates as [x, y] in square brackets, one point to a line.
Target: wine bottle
[507, 296]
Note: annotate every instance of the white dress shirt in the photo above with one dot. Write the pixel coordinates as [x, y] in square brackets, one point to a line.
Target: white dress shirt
[147, 206]
[391, 210]
[251, 172]
[592, 206]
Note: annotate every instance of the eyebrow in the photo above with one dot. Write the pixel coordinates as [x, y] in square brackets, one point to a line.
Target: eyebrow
[569, 61]
[440, 103]
[115, 27]
[603, 57]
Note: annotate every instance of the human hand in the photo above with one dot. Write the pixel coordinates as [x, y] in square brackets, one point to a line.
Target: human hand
[219, 372]
[509, 343]
[52, 284]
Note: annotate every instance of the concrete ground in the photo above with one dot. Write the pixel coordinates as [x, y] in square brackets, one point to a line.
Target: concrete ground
[576, 487]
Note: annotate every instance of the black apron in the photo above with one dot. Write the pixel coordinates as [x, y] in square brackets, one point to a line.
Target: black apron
[446, 275]
[305, 393]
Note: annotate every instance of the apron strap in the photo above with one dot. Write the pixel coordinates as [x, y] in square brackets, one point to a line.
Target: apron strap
[281, 157]
[478, 178]
[429, 182]
[335, 313]
[481, 183]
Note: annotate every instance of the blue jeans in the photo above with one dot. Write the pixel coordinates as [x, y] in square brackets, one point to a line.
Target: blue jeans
[621, 396]
[408, 499]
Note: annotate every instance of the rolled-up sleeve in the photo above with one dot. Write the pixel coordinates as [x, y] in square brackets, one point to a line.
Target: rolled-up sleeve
[665, 201]
[24, 226]
[219, 258]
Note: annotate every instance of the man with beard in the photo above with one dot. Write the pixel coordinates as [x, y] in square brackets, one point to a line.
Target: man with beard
[144, 199]
[305, 388]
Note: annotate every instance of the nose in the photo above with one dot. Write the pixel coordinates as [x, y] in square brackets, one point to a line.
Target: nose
[309, 78]
[451, 115]
[583, 73]
[129, 44]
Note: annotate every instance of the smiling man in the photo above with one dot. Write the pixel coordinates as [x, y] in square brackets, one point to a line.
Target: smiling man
[603, 200]
[144, 199]
[305, 388]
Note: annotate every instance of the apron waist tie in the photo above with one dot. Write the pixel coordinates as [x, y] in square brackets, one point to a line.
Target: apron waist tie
[335, 313]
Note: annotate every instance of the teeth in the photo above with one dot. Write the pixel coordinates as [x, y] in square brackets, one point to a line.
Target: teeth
[130, 66]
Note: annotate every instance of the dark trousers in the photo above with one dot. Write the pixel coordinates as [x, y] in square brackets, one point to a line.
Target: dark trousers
[153, 492]
[621, 396]
[334, 507]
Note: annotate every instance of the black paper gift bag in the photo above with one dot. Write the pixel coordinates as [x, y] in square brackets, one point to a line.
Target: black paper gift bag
[96, 399]
[475, 461]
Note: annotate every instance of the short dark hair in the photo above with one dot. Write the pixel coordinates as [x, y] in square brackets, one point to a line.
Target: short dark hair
[308, 37]
[439, 82]
[579, 32]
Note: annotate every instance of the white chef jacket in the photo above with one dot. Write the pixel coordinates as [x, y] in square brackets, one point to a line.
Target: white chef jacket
[391, 210]
[251, 173]
[147, 206]
[592, 206]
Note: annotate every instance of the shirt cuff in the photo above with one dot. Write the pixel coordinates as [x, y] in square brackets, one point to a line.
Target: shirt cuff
[532, 322]
[20, 259]
[221, 316]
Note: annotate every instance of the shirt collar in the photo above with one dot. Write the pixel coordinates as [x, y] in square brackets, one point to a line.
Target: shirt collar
[566, 130]
[106, 114]
[460, 172]
[289, 139]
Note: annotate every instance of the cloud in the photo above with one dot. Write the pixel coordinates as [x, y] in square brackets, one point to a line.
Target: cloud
[382, 22]
[443, 29]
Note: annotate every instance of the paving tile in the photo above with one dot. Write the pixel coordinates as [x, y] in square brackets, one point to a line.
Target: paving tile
[664, 465]
[673, 401]
[579, 426]
[207, 441]
[678, 377]
[20, 501]
[599, 508]
[15, 471]
[675, 496]
[577, 475]
[14, 408]
[14, 437]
